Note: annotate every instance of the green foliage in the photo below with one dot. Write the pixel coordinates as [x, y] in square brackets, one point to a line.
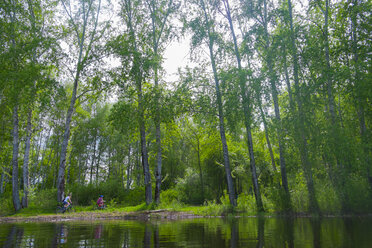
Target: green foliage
[6, 206]
[188, 188]
[134, 197]
[246, 203]
[358, 193]
[105, 144]
[111, 190]
[169, 196]
[329, 202]
[299, 195]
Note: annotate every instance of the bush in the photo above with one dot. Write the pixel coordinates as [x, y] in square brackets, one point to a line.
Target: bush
[169, 196]
[6, 206]
[328, 199]
[246, 203]
[44, 199]
[84, 194]
[358, 193]
[212, 209]
[169, 199]
[189, 188]
[133, 197]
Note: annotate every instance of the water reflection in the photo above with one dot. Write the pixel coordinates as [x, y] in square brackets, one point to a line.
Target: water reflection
[214, 232]
[15, 234]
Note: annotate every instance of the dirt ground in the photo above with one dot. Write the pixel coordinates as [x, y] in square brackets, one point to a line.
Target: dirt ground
[103, 215]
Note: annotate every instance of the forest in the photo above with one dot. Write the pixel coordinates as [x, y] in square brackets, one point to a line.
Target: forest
[272, 114]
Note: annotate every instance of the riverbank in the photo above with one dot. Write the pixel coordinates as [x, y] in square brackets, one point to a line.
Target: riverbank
[160, 214]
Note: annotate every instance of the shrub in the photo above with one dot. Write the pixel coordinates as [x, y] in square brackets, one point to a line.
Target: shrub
[111, 189]
[133, 197]
[6, 206]
[246, 203]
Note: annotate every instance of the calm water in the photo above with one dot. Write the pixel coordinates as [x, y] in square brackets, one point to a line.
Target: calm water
[214, 232]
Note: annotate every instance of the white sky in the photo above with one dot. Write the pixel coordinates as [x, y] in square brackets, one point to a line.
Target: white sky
[176, 55]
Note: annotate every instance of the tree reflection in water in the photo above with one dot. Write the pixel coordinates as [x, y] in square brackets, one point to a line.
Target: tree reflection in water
[212, 232]
[14, 237]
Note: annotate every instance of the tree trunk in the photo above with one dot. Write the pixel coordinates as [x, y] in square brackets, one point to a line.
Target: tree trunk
[15, 190]
[145, 160]
[247, 114]
[128, 168]
[93, 159]
[157, 111]
[138, 77]
[301, 137]
[335, 127]
[2, 179]
[274, 93]
[361, 102]
[81, 60]
[200, 169]
[138, 167]
[66, 137]
[97, 164]
[230, 183]
[157, 33]
[26, 160]
[267, 134]
[287, 81]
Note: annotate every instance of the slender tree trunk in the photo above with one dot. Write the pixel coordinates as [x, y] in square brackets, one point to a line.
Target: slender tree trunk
[156, 36]
[230, 183]
[247, 114]
[15, 190]
[200, 169]
[145, 160]
[158, 138]
[287, 81]
[66, 137]
[129, 167]
[97, 165]
[26, 160]
[267, 135]
[81, 60]
[302, 141]
[335, 127]
[138, 77]
[93, 159]
[157, 114]
[138, 167]
[36, 160]
[55, 169]
[79, 169]
[2, 179]
[361, 102]
[274, 93]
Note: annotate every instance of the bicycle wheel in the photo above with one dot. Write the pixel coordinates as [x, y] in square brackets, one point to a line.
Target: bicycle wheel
[70, 209]
[60, 210]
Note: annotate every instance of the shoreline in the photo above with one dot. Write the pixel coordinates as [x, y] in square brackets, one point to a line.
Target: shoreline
[147, 215]
[94, 216]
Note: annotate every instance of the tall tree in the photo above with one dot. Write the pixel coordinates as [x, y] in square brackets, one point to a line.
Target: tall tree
[268, 53]
[16, 71]
[204, 25]
[83, 20]
[302, 139]
[244, 94]
[133, 48]
[161, 29]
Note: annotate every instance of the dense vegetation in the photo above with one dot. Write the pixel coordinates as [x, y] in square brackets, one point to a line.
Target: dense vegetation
[274, 113]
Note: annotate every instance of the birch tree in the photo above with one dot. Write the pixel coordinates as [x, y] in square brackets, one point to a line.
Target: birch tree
[86, 31]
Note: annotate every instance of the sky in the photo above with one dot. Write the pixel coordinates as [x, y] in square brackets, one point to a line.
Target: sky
[176, 55]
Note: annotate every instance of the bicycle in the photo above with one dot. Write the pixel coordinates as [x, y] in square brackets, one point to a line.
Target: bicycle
[62, 208]
[100, 207]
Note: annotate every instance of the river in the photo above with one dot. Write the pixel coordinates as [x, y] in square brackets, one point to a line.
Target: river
[199, 232]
